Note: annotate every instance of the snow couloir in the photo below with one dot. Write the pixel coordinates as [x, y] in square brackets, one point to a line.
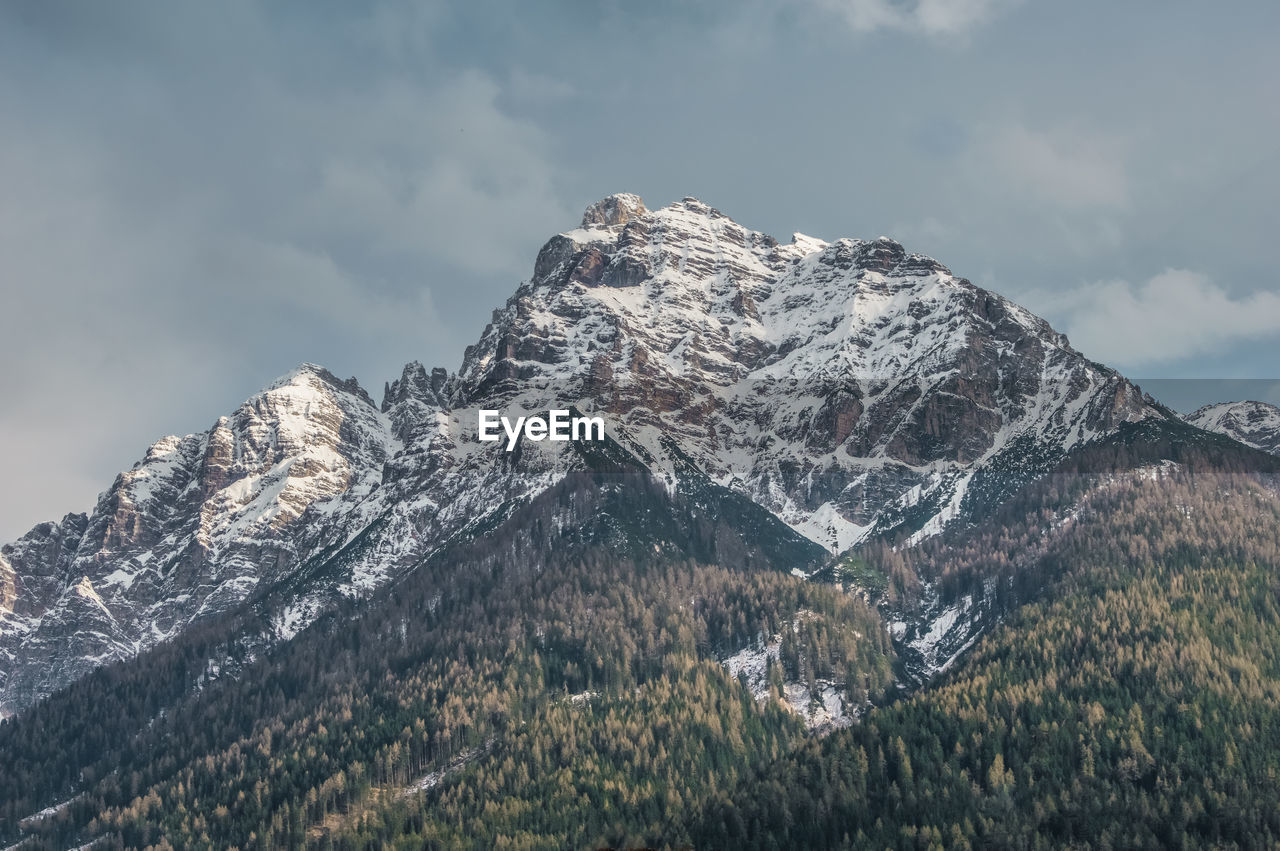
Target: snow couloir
[558, 425]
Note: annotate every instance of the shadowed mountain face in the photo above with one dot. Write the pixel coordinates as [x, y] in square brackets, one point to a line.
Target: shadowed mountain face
[846, 390]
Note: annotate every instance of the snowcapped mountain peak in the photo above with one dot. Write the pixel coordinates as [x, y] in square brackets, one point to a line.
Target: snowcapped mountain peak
[847, 387]
[1255, 424]
[686, 287]
[191, 529]
[821, 378]
[415, 383]
[316, 377]
[807, 244]
[301, 374]
[411, 398]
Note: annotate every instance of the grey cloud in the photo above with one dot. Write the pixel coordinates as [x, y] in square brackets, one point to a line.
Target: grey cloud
[197, 197]
[171, 243]
[1066, 167]
[928, 17]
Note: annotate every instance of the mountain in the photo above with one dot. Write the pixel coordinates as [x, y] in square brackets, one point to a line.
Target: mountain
[1255, 424]
[841, 491]
[849, 388]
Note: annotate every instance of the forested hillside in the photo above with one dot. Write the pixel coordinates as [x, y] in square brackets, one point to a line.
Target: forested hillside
[1136, 704]
[566, 694]
[556, 681]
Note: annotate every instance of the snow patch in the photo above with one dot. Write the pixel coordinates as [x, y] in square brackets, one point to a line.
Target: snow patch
[824, 711]
[433, 779]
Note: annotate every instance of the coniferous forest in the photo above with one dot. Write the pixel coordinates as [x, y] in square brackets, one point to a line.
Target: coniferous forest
[537, 688]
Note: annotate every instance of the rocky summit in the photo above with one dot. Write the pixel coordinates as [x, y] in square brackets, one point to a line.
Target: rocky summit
[848, 388]
[187, 533]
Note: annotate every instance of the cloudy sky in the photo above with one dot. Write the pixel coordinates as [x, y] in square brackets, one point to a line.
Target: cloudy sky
[195, 197]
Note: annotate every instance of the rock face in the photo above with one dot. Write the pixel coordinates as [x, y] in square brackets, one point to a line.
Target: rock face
[847, 387]
[1255, 424]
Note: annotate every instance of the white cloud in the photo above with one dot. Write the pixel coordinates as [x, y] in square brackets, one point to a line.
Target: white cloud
[927, 17]
[1173, 316]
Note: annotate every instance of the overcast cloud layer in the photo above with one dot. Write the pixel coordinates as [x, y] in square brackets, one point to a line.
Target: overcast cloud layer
[197, 197]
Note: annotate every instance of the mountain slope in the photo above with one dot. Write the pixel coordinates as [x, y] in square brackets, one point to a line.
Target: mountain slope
[526, 644]
[569, 655]
[943, 594]
[1136, 703]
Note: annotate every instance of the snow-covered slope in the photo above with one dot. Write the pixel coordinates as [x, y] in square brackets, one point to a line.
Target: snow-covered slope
[1255, 424]
[189, 532]
[846, 387]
